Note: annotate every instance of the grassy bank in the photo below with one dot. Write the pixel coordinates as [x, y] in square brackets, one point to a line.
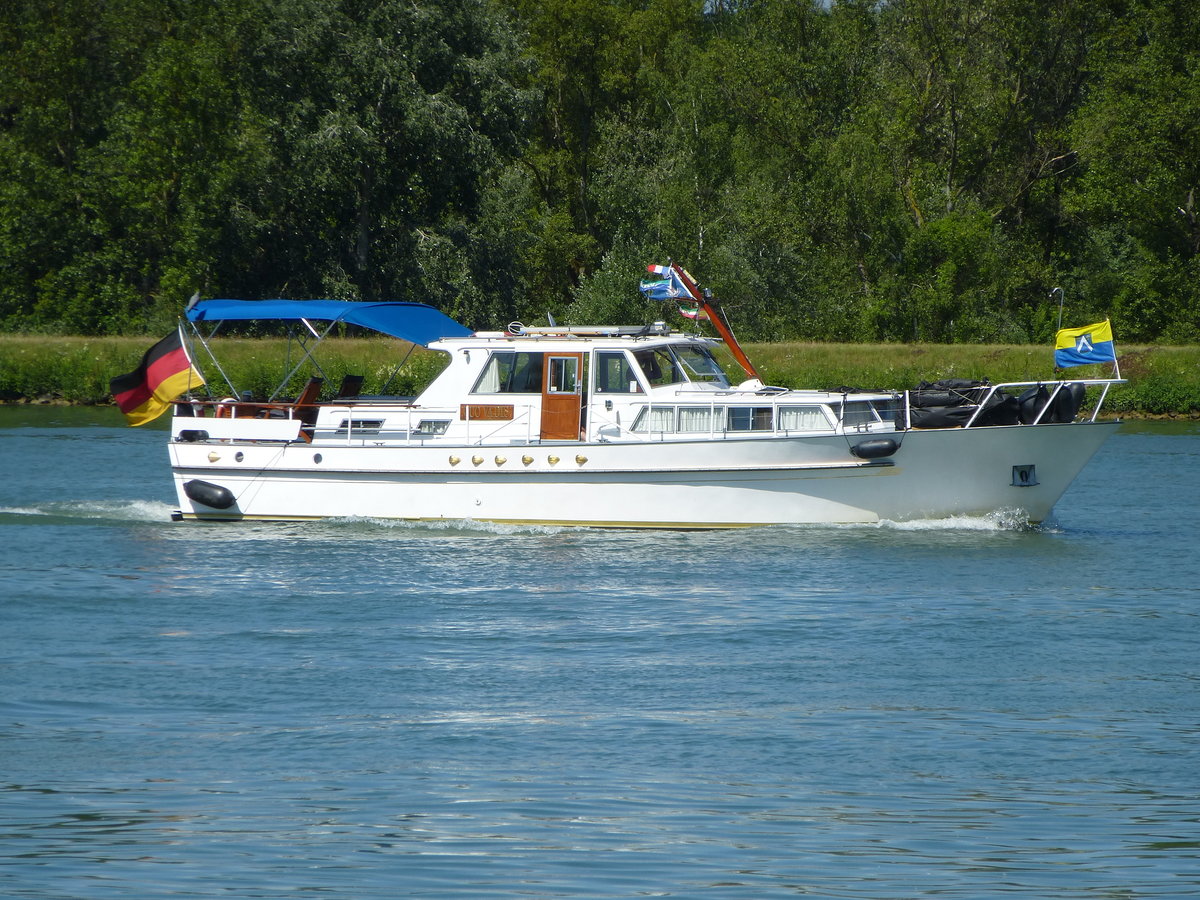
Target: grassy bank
[77, 370]
[1163, 380]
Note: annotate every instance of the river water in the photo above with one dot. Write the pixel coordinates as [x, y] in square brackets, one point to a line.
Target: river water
[958, 709]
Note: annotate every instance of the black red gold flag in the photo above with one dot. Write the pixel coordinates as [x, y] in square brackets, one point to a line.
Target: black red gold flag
[165, 372]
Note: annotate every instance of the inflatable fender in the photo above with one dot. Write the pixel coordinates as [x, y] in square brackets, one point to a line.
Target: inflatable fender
[875, 449]
[1001, 409]
[947, 392]
[942, 416]
[209, 494]
[1030, 403]
[1067, 402]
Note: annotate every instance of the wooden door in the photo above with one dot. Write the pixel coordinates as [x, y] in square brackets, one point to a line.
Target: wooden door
[562, 396]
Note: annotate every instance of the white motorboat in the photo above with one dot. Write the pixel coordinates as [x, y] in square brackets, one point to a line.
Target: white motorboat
[629, 427]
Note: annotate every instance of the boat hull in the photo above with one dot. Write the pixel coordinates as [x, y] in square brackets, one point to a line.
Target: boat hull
[673, 484]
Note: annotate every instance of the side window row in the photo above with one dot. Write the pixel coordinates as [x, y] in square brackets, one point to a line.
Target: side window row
[513, 372]
[615, 372]
[693, 419]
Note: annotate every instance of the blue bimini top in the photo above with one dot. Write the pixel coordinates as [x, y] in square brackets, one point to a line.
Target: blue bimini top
[414, 322]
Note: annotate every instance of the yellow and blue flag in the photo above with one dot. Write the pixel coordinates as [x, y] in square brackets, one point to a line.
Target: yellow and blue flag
[1083, 346]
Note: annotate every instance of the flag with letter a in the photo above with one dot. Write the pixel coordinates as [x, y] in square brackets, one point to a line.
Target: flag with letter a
[1083, 346]
[166, 371]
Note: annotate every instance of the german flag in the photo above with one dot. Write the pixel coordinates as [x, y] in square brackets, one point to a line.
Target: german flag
[165, 372]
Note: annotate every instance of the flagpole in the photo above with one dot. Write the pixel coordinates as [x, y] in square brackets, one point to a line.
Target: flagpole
[1116, 361]
[199, 335]
[1059, 291]
[186, 344]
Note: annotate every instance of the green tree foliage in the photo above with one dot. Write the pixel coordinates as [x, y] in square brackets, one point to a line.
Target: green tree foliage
[249, 147]
[845, 170]
[1136, 233]
[403, 111]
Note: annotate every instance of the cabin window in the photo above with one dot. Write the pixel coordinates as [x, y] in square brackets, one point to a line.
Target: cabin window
[564, 375]
[693, 419]
[749, 418]
[887, 410]
[655, 418]
[360, 426]
[858, 412]
[510, 372]
[802, 418]
[659, 366]
[700, 365]
[615, 374]
[427, 427]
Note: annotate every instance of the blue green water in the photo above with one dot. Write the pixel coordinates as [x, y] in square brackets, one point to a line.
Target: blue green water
[954, 709]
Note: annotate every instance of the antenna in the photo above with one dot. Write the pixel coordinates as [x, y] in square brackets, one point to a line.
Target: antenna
[1058, 291]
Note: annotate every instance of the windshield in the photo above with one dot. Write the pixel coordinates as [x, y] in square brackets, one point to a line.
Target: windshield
[676, 365]
[700, 365]
[659, 366]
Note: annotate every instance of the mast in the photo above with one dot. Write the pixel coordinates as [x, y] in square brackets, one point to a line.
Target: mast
[716, 315]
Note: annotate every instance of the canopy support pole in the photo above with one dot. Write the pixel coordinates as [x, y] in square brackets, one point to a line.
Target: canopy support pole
[396, 371]
[308, 355]
[212, 356]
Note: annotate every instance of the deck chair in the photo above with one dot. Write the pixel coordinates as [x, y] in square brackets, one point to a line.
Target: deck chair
[350, 387]
[306, 409]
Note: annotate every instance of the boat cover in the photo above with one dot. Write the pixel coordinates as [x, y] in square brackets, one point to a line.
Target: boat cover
[415, 322]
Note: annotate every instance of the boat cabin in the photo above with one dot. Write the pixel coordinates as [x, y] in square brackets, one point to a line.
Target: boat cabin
[596, 384]
[549, 385]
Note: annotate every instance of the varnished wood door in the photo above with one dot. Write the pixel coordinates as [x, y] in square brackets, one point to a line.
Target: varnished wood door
[562, 396]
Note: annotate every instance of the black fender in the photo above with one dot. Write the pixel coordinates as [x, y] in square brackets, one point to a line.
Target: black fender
[209, 494]
[875, 449]
[1068, 401]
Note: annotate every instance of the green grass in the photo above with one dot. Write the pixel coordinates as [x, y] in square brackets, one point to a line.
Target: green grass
[77, 370]
[1163, 380]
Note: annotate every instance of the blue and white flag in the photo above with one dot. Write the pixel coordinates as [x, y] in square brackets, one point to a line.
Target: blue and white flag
[670, 287]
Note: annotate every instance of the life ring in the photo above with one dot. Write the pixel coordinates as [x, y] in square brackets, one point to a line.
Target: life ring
[225, 407]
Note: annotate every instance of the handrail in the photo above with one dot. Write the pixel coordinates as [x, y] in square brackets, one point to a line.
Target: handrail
[717, 428]
[1057, 389]
[239, 408]
[526, 415]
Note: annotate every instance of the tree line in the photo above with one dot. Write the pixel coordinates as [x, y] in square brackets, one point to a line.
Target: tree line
[913, 170]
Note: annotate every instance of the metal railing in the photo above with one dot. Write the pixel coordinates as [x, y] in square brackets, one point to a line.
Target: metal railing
[1054, 389]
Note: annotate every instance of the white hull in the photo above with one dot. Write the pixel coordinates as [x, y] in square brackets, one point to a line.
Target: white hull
[674, 484]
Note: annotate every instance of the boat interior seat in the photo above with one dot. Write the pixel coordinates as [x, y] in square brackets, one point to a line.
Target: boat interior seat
[350, 387]
[306, 409]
